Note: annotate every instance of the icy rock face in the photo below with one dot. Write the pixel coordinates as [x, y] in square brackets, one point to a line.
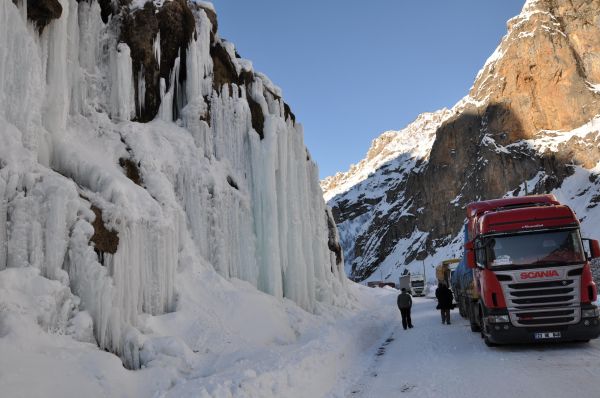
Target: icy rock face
[525, 127]
[113, 210]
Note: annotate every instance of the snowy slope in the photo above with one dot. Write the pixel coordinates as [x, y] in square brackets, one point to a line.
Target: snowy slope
[173, 244]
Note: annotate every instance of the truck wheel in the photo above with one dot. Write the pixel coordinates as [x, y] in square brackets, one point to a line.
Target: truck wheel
[475, 327]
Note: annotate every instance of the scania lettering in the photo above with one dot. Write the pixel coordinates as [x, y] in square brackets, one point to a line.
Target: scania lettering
[538, 274]
[526, 274]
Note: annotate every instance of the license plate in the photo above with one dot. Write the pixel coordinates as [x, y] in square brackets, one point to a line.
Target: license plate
[547, 335]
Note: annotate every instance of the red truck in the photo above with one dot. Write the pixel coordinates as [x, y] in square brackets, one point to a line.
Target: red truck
[531, 274]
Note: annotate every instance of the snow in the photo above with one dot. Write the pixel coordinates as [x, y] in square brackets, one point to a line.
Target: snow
[550, 140]
[435, 360]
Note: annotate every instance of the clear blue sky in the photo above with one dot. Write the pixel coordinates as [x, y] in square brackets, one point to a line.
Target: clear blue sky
[351, 70]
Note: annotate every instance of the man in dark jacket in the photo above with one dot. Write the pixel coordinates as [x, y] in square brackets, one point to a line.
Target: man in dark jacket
[444, 297]
[405, 304]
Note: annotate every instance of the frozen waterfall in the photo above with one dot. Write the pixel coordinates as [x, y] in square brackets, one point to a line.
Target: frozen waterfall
[211, 189]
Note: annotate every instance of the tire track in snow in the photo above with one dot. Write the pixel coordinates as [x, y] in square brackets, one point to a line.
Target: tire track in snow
[359, 388]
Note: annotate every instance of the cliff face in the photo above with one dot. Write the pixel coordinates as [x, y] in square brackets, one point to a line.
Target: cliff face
[540, 83]
[143, 163]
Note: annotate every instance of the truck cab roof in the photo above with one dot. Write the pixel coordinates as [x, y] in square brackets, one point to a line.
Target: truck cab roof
[476, 208]
[527, 218]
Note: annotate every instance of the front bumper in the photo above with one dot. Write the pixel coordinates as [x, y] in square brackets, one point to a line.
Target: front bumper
[507, 333]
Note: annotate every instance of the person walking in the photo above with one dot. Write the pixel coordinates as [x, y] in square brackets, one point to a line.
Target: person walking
[404, 304]
[444, 296]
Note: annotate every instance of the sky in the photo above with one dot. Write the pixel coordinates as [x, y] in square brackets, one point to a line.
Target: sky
[351, 70]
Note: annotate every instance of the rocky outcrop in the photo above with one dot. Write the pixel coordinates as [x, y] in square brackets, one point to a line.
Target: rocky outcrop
[543, 73]
[174, 25]
[543, 76]
[41, 12]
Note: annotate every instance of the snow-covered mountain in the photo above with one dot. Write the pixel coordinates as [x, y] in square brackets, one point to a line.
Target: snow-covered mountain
[152, 185]
[528, 125]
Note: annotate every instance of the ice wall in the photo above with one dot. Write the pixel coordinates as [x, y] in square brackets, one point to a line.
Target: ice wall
[210, 188]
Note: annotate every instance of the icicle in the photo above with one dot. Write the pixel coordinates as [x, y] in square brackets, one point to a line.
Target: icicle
[122, 91]
[168, 102]
[199, 62]
[58, 90]
[141, 90]
[3, 210]
[22, 4]
[156, 48]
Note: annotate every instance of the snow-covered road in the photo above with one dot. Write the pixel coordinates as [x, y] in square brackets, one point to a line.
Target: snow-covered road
[435, 360]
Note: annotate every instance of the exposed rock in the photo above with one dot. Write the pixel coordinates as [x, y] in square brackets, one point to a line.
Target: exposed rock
[176, 25]
[131, 170]
[139, 30]
[545, 66]
[105, 240]
[333, 242]
[41, 12]
[288, 113]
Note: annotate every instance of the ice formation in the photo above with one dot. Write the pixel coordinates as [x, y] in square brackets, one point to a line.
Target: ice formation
[213, 192]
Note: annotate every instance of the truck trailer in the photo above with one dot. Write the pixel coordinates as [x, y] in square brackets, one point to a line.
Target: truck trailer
[530, 278]
[445, 269]
[404, 282]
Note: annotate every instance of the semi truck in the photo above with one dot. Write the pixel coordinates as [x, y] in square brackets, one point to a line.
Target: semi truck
[530, 278]
[417, 284]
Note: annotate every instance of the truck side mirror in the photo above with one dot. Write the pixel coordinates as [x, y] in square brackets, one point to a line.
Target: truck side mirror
[594, 248]
[470, 254]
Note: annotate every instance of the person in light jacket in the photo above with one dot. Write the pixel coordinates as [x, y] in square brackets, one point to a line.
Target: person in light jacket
[444, 297]
[405, 304]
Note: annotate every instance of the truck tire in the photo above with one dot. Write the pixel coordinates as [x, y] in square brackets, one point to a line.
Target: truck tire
[462, 309]
[472, 317]
[488, 342]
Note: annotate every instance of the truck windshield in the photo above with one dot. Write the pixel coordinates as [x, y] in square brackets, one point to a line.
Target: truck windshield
[417, 283]
[555, 247]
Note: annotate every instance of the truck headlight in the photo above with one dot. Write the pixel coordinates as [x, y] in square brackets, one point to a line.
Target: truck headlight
[498, 319]
[591, 313]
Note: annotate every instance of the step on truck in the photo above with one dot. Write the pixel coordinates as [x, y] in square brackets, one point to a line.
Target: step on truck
[530, 274]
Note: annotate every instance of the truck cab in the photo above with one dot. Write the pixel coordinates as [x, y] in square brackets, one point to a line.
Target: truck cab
[531, 272]
[417, 285]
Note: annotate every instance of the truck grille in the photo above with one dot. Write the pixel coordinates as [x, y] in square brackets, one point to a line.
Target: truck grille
[545, 303]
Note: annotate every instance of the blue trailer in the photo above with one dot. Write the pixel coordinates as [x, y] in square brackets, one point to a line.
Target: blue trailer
[463, 288]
